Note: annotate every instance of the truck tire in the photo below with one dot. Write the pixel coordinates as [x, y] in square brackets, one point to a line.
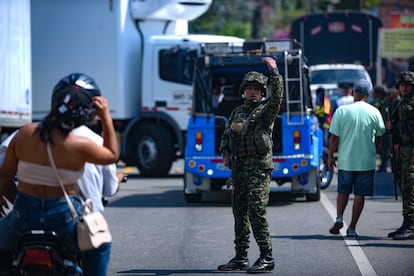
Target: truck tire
[315, 196]
[155, 152]
[190, 197]
[193, 198]
[217, 184]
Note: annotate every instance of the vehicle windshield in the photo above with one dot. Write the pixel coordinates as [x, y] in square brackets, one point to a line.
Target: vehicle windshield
[336, 76]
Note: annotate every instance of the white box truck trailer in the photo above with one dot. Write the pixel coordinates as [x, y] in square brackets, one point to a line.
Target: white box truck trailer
[132, 50]
[15, 65]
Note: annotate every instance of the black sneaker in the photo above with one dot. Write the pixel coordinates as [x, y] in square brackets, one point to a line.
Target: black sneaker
[263, 264]
[237, 263]
[336, 227]
[396, 232]
[407, 234]
[403, 227]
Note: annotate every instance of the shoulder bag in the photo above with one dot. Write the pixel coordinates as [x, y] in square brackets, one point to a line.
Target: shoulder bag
[92, 228]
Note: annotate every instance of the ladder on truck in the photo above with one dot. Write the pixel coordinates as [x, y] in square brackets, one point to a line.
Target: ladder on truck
[294, 87]
[251, 53]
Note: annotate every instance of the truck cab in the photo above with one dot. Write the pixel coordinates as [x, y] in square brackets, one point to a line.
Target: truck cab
[134, 49]
[297, 139]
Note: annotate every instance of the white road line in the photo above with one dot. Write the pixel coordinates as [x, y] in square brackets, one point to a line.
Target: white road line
[359, 256]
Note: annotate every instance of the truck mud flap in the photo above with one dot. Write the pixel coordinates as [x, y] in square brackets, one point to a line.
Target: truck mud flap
[195, 186]
[306, 182]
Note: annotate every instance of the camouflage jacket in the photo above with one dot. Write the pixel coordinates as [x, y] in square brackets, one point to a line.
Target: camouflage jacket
[403, 122]
[252, 142]
[383, 105]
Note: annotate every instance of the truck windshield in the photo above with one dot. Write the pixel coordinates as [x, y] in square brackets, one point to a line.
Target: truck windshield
[336, 76]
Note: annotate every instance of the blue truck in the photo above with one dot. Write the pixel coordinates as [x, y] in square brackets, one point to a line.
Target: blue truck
[297, 138]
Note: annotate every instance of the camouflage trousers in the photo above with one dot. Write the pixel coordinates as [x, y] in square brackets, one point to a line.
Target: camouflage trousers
[405, 177]
[250, 197]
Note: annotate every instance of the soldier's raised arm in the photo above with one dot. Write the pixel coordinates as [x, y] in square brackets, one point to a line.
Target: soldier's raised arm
[276, 82]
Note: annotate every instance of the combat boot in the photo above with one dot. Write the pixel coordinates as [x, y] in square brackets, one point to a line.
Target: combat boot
[403, 227]
[407, 234]
[237, 263]
[264, 264]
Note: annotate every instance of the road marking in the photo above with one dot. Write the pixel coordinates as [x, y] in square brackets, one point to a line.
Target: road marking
[358, 254]
[127, 170]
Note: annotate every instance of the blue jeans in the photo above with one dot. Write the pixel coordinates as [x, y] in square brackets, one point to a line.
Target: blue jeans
[37, 213]
[95, 261]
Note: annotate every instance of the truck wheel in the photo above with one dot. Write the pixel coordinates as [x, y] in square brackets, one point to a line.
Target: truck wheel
[313, 197]
[190, 196]
[154, 151]
[316, 196]
[217, 184]
[193, 197]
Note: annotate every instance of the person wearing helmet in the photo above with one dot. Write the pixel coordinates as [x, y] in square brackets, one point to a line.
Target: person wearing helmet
[246, 147]
[97, 181]
[40, 202]
[402, 129]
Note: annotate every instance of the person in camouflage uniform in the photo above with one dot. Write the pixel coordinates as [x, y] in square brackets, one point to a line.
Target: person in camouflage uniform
[402, 127]
[383, 103]
[246, 147]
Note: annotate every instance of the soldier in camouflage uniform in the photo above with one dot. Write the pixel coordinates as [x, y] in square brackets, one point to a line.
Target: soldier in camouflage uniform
[403, 139]
[246, 147]
[382, 102]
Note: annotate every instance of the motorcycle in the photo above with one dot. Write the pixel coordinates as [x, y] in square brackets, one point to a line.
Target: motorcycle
[323, 111]
[325, 173]
[39, 252]
[42, 253]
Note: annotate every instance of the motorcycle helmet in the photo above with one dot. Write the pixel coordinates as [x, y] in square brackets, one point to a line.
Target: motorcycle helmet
[405, 76]
[254, 78]
[72, 98]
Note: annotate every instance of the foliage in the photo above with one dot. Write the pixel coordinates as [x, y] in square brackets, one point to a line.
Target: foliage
[356, 4]
[236, 17]
[216, 20]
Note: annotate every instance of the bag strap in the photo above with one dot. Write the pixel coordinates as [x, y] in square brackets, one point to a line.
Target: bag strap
[249, 119]
[52, 162]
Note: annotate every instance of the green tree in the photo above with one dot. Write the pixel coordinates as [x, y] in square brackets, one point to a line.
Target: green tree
[236, 17]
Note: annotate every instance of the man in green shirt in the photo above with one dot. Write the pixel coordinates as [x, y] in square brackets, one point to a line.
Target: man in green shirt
[355, 133]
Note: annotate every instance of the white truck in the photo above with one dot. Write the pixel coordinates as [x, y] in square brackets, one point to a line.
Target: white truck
[133, 50]
[15, 65]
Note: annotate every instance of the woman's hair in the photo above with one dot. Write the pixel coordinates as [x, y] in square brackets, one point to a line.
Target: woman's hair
[71, 105]
[50, 123]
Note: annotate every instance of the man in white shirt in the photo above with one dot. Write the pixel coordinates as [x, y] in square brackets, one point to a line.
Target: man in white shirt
[97, 181]
[347, 97]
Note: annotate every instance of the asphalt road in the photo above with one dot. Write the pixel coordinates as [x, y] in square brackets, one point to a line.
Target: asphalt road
[155, 232]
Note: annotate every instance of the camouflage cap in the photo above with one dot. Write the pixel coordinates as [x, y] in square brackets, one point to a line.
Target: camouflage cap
[405, 76]
[253, 78]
